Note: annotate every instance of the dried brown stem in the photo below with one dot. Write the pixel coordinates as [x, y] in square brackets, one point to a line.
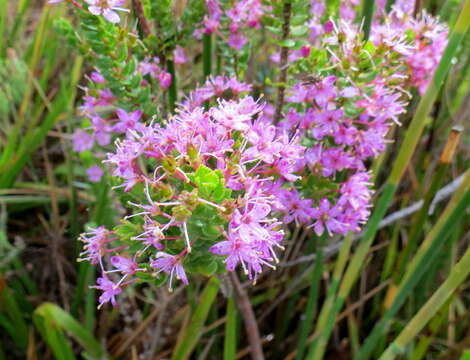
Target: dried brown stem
[417, 8]
[139, 11]
[244, 306]
[286, 11]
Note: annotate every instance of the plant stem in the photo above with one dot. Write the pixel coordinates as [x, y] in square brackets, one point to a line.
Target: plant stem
[207, 55]
[249, 319]
[367, 15]
[143, 26]
[172, 91]
[286, 12]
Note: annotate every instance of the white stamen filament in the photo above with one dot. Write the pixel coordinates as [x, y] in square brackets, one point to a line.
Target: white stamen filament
[212, 204]
[186, 237]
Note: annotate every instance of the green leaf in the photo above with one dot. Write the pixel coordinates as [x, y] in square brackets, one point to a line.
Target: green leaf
[299, 30]
[369, 47]
[126, 230]
[465, 355]
[189, 340]
[52, 321]
[288, 43]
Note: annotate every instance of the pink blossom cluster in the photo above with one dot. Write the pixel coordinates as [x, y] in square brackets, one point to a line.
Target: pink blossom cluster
[222, 154]
[233, 139]
[426, 45]
[152, 68]
[419, 40]
[216, 87]
[108, 120]
[244, 14]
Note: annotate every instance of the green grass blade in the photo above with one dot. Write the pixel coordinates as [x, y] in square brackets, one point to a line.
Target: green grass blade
[14, 316]
[32, 140]
[458, 274]
[189, 340]
[54, 321]
[3, 20]
[324, 322]
[418, 122]
[23, 5]
[425, 257]
[230, 338]
[59, 344]
[311, 306]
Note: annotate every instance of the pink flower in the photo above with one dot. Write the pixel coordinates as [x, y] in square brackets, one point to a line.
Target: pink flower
[128, 121]
[296, 209]
[97, 77]
[82, 141]
[305, 51]
[165, 79]
[179, 56]
[102, 131]
[355, 191]
[106, 8]
[124, 265]
[237, 40]
[110, 290]
[327, 123]
[94, 173]
[327, 216]
[95, 241]
[170, 264]
[150, 67]
[238, 251]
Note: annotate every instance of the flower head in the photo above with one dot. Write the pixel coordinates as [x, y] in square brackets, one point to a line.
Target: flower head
[171, 265]
[109, 289]
[106, 8]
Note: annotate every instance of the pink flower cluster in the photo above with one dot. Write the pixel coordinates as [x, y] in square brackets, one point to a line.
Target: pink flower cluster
[244, 14]
[215, 87]
[106, 124]
[425, 48]
[232, 139]
[150, 67]
[221, 155]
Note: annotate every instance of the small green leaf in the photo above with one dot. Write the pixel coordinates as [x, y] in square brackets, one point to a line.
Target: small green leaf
[126, 230]
[288, 43]
[299, 30]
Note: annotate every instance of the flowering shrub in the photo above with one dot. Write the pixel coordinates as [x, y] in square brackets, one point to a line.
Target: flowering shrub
[217, 181]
